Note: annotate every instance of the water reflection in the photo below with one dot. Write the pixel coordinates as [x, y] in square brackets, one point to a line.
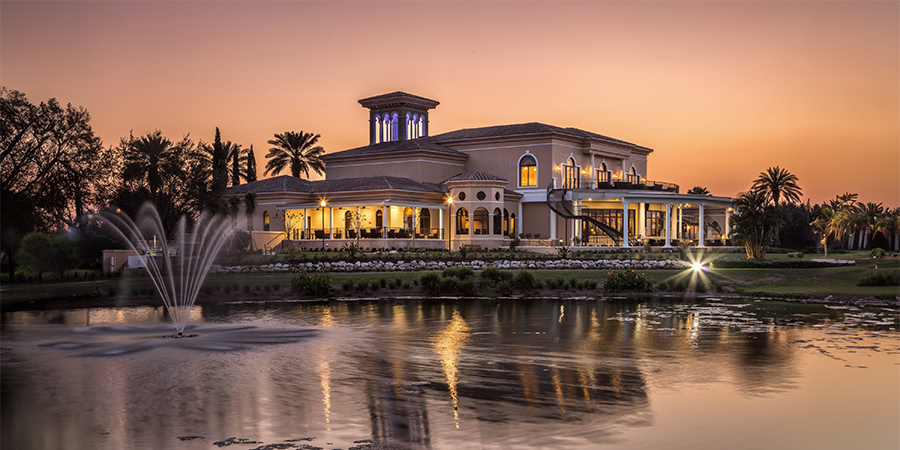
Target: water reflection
[530, 374]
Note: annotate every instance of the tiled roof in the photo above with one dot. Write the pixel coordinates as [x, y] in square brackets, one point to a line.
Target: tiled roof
[411, 145]
[374, 184]
[287, 183]
[519, 129]
[283, 183]
[476, 175]
[399, 97]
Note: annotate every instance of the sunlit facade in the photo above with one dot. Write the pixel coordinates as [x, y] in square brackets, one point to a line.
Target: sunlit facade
[480, 186]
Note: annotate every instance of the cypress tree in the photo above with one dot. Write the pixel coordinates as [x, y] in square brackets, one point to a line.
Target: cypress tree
[251, 166]
[220, 171]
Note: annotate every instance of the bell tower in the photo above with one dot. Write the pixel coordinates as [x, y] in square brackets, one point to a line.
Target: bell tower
[397, 116]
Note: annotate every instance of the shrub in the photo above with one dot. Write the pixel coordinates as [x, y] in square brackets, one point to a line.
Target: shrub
[246, 288]
[553, 283]
[726, 263]
[514, 243]
[406, 285]
[563, 251]
[524, 280]
[382, 282]
[881, 278]
[352, 249]
[627, 280]
[467, 288]
[490, 273]
[311, 285]
[394, 283]
[877, 253]
[505, 287]
[462, 272]
[41, 252]
[431, 282]
[464, 250]
[347, 285]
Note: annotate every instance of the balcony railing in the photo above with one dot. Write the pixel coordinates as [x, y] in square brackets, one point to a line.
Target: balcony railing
[631, 182]
[364, 233]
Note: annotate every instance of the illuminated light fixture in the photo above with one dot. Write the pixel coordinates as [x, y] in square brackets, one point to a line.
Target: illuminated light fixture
[697, 266]
[322, 203]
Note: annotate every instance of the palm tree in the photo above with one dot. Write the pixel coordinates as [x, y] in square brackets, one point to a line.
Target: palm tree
[889, 225]
[756, 222]
[297, 149]
[233, 154]
[150, 155]
[777, 183]
[699, 190]
[868, 217]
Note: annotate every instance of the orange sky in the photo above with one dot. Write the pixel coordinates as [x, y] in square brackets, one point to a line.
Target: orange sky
[721, 90]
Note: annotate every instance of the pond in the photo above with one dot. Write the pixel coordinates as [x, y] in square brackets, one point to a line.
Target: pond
[448, 374]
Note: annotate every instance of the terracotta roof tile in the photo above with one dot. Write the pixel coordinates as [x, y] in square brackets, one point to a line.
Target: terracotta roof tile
[411, 145]
[520, 129]
[476, 175]
[283, 183]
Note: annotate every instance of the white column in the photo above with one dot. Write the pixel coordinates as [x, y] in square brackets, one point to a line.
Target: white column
[384, 221]
[668, 224]
[442, 233]
[625, 243]
[593, 174]
[577, 231]
[415, 227]
[727, 222]
[471, 223]
[519, 220]
[679, 231]
[701, 234]
[642, 219]
[330, 216]
[552, 225]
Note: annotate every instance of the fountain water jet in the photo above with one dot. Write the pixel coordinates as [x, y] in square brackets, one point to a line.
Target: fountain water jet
[178, 277]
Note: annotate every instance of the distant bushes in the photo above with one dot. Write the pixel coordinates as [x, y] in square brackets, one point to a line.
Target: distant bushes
[627, 280]
[726, 263]
[311, 285]
[882, 278]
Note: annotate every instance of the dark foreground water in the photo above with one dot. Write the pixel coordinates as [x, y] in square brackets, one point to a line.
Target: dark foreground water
[555, 374]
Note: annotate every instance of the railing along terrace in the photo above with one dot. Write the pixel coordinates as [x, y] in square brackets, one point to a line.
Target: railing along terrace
[365, 233]
[635, 184]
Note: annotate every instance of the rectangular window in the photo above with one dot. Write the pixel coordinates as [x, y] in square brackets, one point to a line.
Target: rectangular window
[656, 223]
[529, 176]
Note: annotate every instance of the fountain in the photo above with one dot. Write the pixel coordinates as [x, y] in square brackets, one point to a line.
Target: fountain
[177, 272]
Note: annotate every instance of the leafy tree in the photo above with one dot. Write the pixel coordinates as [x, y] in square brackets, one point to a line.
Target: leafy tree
[219, 171]
[42, 253]
[250, 165]
[777, 184]
[699, 190]
[756, 222]
[233, 154]
[299, 150]
[53, 169]
[889, 225]
[797, 232]
[175, 177]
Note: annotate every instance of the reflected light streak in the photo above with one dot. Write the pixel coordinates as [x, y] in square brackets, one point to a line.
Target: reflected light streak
[562, 312]
[324, 371]
[557, 385]
[448, 345]
[327, 320]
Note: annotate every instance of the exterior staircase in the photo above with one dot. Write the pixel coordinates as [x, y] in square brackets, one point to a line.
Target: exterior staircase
[556, 200]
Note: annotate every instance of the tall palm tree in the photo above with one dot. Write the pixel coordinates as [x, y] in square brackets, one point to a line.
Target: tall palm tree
[233, 154]
[756, 223]
[777, 184]
[152, 155]
[868, 217]
[889, 225]
[297, 149]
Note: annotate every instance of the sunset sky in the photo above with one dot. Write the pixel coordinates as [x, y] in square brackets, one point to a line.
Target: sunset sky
[720, 90]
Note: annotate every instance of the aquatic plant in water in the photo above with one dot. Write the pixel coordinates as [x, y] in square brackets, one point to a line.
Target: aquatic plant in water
[178, 267]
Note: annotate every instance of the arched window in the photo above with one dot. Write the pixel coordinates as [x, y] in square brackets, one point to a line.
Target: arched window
[633, 176]
[506, 229]
[265, 221]
[385, 128]
[512, 224]
[395, 135]
[420, 127]
[570, 174]
[379, 219]
[425, 221]
[414, 126]
[408, 122]
[408, 223]
[462, 221]
[603, 173]
[480, 221]
[376, 123]
[498, 222]
[527, 171]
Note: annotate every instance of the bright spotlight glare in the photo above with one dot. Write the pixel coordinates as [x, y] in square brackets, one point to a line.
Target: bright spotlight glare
[697, 266]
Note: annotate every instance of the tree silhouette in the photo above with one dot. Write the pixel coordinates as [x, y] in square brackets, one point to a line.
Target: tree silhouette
[249, 165]
[297, 150]
[777, 183]
[699, 190]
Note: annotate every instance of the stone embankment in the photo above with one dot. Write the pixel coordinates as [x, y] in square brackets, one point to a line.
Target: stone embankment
[417, 265]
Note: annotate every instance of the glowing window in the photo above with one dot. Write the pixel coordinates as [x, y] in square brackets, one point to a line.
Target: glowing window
[527, 171]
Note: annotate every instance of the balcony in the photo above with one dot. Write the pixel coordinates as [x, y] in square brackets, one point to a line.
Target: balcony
[631, 182]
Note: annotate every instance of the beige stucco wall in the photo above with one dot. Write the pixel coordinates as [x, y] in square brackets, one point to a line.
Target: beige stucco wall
[429, 168]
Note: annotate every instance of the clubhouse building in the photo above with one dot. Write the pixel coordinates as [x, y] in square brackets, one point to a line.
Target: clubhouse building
[479, 186]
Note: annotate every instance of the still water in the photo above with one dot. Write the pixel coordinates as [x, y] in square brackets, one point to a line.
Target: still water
[468, 374]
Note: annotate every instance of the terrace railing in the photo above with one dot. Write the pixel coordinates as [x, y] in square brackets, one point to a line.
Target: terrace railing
[631, 183]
